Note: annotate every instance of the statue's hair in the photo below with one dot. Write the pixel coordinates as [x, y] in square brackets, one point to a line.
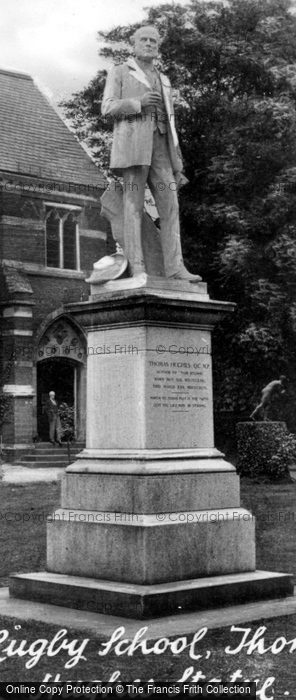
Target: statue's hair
[150, 26]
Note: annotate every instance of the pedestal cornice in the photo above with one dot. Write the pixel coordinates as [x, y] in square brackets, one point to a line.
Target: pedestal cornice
[159, 306]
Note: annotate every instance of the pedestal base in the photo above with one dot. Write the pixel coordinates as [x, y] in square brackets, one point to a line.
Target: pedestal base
[146, 602]
[150, 511]
[151, 549]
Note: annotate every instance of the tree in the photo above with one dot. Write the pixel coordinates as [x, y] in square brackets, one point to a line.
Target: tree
[234, 75]
[66, 415]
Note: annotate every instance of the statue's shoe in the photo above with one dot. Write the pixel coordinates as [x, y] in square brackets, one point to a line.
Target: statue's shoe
[186, 276]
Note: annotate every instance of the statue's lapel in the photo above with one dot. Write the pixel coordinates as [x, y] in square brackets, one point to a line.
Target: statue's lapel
[166, 89]
[137, 73]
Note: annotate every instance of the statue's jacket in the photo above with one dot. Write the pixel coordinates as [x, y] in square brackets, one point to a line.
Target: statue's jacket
[133, 127]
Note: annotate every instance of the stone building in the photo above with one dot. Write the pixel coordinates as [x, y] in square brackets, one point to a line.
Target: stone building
[51, 233]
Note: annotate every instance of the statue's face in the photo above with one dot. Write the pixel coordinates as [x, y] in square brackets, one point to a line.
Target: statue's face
[146, 44]
[51, 394]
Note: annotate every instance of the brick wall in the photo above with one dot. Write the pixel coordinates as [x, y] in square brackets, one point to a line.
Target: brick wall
[23, 242]
[23, 420]
[23, 239]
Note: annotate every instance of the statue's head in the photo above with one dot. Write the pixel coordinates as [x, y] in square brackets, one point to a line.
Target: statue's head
[51, 394]
[146, 42]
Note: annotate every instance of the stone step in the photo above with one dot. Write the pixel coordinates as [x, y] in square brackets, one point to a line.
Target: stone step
[45, 465]
[45, 447]
[51, 450]
[57, 448]
[47, 455]
[144, 602]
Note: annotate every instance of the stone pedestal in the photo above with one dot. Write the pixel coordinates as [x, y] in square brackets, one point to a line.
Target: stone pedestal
[150, 510]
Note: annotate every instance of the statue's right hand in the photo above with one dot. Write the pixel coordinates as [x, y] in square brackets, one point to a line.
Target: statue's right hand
[151, 98]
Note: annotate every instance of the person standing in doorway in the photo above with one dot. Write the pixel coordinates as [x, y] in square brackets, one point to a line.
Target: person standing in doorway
[52, 411]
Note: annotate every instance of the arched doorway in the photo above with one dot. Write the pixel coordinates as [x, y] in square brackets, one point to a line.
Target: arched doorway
[56, 374]
[61, 367]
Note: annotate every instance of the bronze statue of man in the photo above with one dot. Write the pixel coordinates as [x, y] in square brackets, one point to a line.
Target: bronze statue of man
[146, 150]
[274, 388]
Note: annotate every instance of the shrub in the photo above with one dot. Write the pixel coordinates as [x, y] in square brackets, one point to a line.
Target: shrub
[66, 414]
[265, 449]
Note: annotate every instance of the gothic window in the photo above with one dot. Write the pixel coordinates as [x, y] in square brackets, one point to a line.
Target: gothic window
[69, 242]
[62, 239]
[53, 240]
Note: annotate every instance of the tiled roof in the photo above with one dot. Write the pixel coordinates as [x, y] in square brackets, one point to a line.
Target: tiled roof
[34, 140]
[16, 280]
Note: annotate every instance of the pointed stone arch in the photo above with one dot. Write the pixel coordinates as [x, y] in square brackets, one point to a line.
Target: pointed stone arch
[29, 210]
[54, 316]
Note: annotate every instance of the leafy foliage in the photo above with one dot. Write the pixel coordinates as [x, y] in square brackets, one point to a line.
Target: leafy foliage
[66, 414]
[265, 449]
[233, 69]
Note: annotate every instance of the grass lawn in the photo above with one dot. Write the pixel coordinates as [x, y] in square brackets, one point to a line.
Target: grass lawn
[23, 549]
[23, 512]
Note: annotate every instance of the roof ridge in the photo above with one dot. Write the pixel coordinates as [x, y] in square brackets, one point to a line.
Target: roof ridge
[16, 73]
[35, 140]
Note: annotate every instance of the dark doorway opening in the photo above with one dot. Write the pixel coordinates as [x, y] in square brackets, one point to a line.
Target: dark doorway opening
[55, 374]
